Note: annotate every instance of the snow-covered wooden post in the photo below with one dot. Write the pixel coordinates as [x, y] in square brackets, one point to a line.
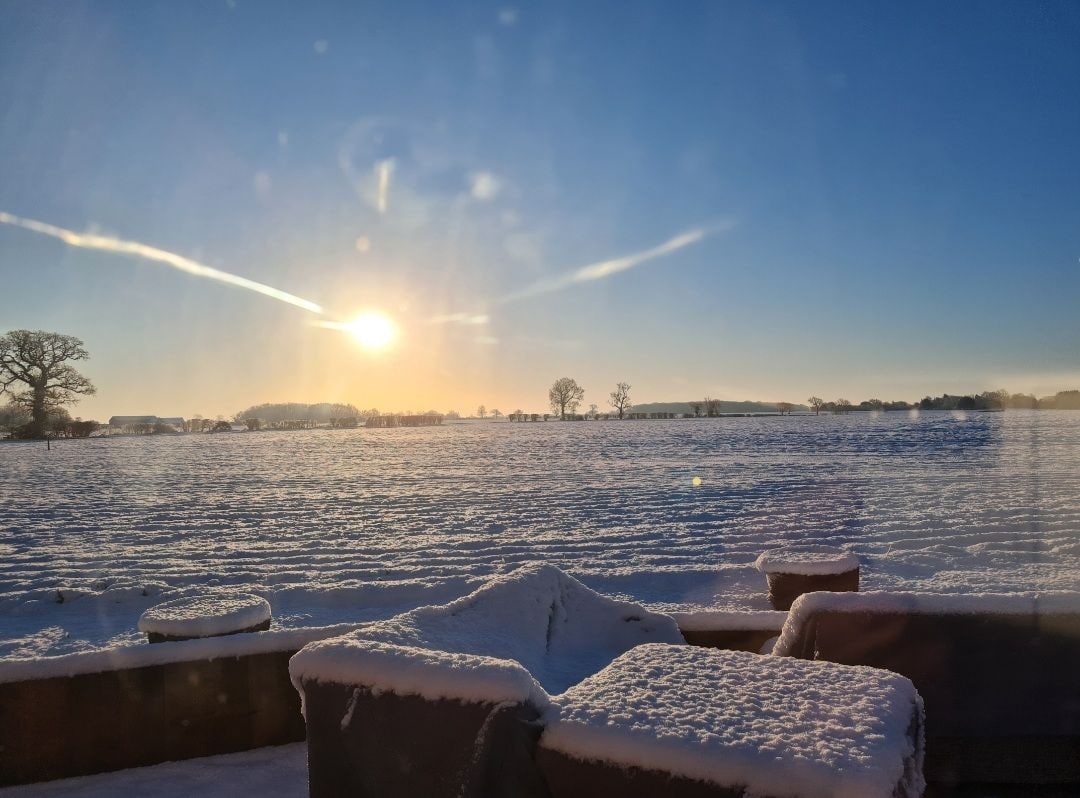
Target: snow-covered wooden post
[205, 615]
[795, 570]
[688, 722]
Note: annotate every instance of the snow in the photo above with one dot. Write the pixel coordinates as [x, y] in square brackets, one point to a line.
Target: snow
[1025, 603]
[206, 615]
[780, 726]
[729, 620]
[345, 526]
[144, 655]
[409, 670]
[277, 772]
[806, 561]
[536, 623]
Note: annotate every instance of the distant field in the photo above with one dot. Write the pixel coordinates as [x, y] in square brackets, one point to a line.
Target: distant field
[338, 525]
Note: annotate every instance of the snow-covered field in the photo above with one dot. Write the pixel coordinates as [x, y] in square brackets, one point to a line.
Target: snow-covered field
[333, 526]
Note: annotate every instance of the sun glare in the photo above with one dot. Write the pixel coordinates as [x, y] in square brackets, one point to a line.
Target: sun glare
[373, 330]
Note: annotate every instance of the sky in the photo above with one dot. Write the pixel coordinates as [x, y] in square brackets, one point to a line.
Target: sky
[745, 200]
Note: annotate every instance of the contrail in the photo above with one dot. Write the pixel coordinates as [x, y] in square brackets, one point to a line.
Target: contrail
[606, 268]
[135, 249]
[594, 271]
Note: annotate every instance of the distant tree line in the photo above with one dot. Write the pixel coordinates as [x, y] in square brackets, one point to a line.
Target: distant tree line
[319, 413]
[1062, 400]
[1001, 400]
[987, 400]
[16, 422]
[707, 407]
[566, 395]
[300, 416]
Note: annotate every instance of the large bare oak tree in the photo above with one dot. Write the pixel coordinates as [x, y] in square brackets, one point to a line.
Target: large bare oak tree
[34, 369]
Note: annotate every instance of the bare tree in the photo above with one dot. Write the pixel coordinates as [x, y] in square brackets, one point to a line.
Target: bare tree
[565, 396]
[39, 361]
[481, 411]
[620, 398]
[843, 405]
[496, 413]
[712, 407]
[784, 407]
[816, 404]
[695, 408]
[594, 411]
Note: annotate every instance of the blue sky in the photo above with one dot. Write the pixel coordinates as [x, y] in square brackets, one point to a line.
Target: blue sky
[887, 197]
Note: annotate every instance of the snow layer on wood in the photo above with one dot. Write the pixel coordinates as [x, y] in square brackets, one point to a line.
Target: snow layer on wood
[883, 602]
[277, 772]
[143, 655]
[729, 620]
[807, 561]
[206, 615]
[537, 616]
[779, 727]
[407, 670]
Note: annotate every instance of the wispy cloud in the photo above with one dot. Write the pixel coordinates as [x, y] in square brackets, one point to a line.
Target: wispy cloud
[146, 252]
[459, 318]
[607, 268]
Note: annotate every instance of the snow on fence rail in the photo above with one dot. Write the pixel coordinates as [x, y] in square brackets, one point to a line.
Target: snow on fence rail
[142, 655]
[166, 702]
[885, 602]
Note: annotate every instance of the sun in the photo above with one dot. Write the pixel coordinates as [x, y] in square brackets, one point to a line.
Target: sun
[373, 330]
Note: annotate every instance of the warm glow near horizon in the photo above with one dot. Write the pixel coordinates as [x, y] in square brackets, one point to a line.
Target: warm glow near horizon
[373, 330]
